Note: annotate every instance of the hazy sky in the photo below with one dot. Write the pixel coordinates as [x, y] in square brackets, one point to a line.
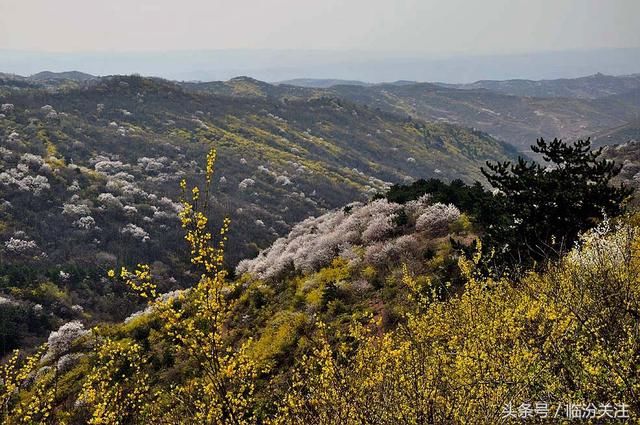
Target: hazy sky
[418, 26]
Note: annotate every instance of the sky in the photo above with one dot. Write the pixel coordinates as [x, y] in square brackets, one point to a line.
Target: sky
[279, 39]
[417, 26]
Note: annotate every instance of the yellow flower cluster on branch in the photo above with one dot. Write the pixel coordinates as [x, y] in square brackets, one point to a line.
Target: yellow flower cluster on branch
[23, 398]
[117, 390]
[221, 392]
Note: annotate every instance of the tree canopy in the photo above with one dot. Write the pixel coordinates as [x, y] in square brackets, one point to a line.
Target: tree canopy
[539, 210]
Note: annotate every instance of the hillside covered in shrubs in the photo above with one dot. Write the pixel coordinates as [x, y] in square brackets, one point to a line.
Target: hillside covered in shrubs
[392, 311]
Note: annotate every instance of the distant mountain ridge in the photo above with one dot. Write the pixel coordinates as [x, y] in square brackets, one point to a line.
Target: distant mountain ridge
[320, 83]
[591, 105]
[589, 87]
[68, 75]
[517, 120]
[376, 67]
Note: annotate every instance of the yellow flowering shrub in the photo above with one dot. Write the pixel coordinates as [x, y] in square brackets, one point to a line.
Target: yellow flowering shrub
[23, 398]
[220, 390]
[117, 389]
[570, 334]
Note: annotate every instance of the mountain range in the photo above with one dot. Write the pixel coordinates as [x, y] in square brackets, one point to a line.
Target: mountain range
[508, 111]
[589, 87]
[371, 66]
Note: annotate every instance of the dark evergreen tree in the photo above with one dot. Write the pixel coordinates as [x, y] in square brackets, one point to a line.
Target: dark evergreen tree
[470, 199]
[539, 210]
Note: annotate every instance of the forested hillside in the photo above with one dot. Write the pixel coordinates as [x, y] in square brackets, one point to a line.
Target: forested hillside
[90, 173]
[371, 313]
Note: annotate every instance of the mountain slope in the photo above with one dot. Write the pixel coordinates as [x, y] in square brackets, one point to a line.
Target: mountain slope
[357, 308]
[618, 135]
[322, 145]
[89, 177]
[517, 120]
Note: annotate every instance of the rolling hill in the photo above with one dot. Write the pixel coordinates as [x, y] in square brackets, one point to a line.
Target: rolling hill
[59, 76]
